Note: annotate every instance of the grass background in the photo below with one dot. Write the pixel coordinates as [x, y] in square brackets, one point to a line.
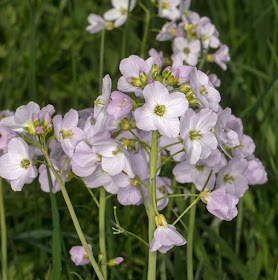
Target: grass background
[47, 56]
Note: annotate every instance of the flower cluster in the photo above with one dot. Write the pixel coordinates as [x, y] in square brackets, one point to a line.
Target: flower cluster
[109, 145]
[192, 36]
[114, 17]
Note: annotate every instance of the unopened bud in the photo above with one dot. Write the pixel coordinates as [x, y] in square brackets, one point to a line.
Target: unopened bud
[210, 58]
[115, 261]
[166, 72]
[124, 124]
[143, 76]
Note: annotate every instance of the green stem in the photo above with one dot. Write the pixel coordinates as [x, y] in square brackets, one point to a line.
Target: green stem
[119, 229]
[102, 243]
[144, 200]
[32, 55]
[56, 239]
[152, 204]
[93, 196]
[173, 144]
[73, 58]
[138, 139]
[146, 29]
[101, 59]
[124, 42]
[195, 201]
[167, 159]
[190, 237]
[73, 217]
[178, 195]
[3, 235]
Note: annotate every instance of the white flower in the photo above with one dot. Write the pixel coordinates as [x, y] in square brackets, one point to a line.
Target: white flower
[161, 111]
[195, 130]
[119, 11]
[188, 51]
[168, 9]
[16, 165]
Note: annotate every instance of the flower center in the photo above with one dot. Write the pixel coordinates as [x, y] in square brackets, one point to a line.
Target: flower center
[25, 163]
[165, 5]
[186, 50]
[134, 183]
[85, 257]
[200, 168]
[228, 179]
[162, 189]
[160, 110]
[116, 151]
[123, 11]
[195, 135]
[203, 90]
[66, 134]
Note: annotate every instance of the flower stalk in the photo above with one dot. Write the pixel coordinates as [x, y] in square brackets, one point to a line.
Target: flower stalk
[3, 235]
[152, 204]
[102, 243]
[73, 216]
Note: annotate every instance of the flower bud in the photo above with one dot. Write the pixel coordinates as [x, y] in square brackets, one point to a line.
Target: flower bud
[115, 261]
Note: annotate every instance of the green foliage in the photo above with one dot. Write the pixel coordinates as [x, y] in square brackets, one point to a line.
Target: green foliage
[46, 55]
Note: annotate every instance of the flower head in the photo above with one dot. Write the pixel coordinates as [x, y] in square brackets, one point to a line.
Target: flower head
[79, 255]
[165, 236]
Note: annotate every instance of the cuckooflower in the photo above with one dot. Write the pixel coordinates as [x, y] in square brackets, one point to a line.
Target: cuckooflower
[232, 177]
[221, 203]
[188, 51]
[16, 165]
[79, 255]
[120, 105]
[161, 111]
[119, 11]
[165, 236]
[67, 132]
[168, 9]
[195, 130]
[255, 172]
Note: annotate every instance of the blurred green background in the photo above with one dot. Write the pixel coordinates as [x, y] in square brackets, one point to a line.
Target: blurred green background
[47, 56]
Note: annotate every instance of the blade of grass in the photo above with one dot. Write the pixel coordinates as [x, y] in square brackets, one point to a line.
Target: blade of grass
[124, 42]
[226, 251]
[73, 58]
[32, 56]
[4, 261]
[56, 240]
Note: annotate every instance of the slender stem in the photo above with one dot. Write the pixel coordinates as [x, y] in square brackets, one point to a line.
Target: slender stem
[181, 221]
[124, 41]
[152, 204]
[190, 237]
[138, 139]
[32, 55]
[3, 235]
[146, 29]
[40, 161]
[102, 242]
[119, 229]
[73, 217]
[173, 144]
[73, 58]
[56, 239]
[167, 159]
[144, 201]
[101, 59]
[64, 164]
[195, 201]
[177, 195]
[140, 181]
[93, 196]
